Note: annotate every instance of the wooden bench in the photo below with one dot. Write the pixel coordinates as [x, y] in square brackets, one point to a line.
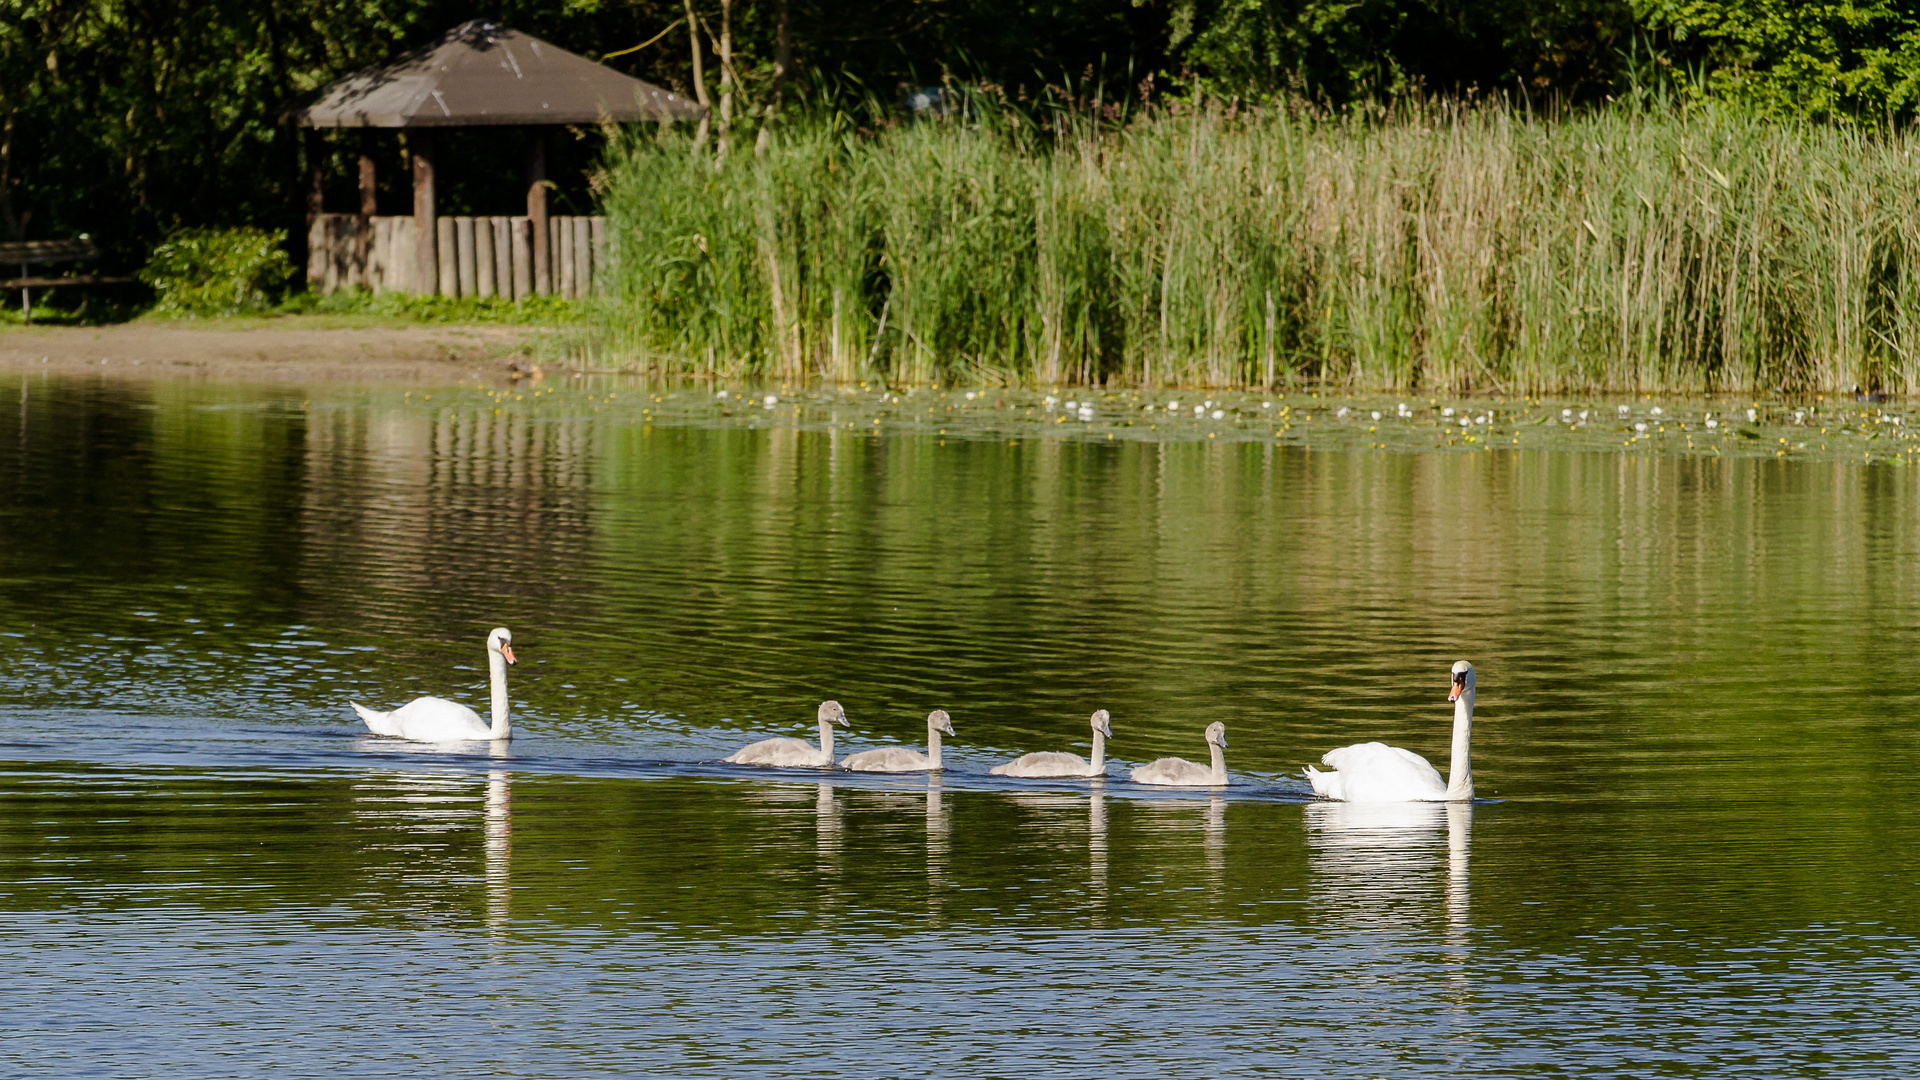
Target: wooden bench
[27, 253]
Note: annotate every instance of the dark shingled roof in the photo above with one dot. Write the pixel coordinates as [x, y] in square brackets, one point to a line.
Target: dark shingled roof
[483, 73]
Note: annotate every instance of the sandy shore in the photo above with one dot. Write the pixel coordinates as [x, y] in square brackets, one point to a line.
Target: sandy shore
[290, 350]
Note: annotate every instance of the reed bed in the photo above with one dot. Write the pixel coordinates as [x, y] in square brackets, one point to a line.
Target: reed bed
[1444, 246]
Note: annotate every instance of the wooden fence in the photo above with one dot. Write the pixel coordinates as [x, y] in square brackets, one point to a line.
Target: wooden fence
[477, 256]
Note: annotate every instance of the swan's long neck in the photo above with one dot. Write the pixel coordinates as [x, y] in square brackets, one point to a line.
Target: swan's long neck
[933, 747]
[1460, 775]
[1219, 757]
[826, 738]
[497, 671]
[1099, 763]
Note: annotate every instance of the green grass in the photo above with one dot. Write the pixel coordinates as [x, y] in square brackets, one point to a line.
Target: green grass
[347, 308]
[1422, 245]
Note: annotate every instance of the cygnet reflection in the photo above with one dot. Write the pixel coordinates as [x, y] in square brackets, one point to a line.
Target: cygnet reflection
[1060, 806]
[1378, 866]
[938, 831]
[1180, 819]
[826, 817]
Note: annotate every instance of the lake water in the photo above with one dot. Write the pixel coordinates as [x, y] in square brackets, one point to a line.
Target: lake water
[1695, 852]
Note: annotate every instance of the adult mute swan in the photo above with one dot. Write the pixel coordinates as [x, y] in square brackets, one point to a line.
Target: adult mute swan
[796, 753]
[1055, 763]
[1376, 772]
[901, 759]
[432, 719]
[1179, 772]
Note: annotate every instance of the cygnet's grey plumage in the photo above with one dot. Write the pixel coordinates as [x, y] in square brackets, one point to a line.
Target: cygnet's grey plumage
[782, 753]
[1054, 763]
[901, 759]
[1179, 772]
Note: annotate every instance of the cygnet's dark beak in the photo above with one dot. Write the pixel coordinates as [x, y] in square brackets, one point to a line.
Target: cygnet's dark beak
[506, 650]
[1459, 686]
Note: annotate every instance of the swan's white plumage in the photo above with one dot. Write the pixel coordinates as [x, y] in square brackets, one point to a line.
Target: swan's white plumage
[1055, 763]
[901, 759]
[783, 753]
[1377, 773]
[1179, 772]
[432, 719]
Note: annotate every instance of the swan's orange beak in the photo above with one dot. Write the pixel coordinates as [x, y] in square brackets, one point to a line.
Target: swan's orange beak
[506, 650]
[1459, 687]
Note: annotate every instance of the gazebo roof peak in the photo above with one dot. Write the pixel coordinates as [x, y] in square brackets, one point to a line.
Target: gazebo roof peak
[481, 73]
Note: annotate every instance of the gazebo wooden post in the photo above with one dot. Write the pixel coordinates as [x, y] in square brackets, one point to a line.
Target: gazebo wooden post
[316, 204]
[369, 206]
[537, 210]
[426, 233]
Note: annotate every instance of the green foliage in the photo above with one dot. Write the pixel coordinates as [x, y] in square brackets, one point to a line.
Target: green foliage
[1343, 50]
[1425, 246]
[531, 311]
[217, 271]
[1828, 58]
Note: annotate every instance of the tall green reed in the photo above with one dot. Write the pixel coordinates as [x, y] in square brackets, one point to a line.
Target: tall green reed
[1418, 245]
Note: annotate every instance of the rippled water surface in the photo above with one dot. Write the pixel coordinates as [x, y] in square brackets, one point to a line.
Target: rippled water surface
[1694, 853]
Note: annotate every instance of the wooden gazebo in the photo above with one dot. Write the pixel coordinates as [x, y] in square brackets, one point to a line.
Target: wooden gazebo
[478, 74]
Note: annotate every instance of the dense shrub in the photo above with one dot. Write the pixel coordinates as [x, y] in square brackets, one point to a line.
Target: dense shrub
[218, 271]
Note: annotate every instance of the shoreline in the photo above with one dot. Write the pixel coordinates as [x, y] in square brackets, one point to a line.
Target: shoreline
[269, 351]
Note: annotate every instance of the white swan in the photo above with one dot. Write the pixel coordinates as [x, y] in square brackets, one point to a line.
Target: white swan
[796, 753]
[901, 759]
[1376, 772]
[432, 719]
[1179, 772]
[1055, 763]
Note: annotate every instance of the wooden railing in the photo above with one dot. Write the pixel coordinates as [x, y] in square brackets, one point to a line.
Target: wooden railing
[476, 256]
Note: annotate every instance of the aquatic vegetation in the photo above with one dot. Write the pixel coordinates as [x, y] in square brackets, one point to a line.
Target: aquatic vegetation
[1718, 426]
[1439, 248]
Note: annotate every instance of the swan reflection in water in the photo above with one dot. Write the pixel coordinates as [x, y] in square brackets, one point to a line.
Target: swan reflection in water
[1374, 865]
[417, 821]
[499, 846]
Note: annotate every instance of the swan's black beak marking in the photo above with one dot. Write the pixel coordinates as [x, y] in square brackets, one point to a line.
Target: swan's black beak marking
[1459, 686]
[506, 650]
